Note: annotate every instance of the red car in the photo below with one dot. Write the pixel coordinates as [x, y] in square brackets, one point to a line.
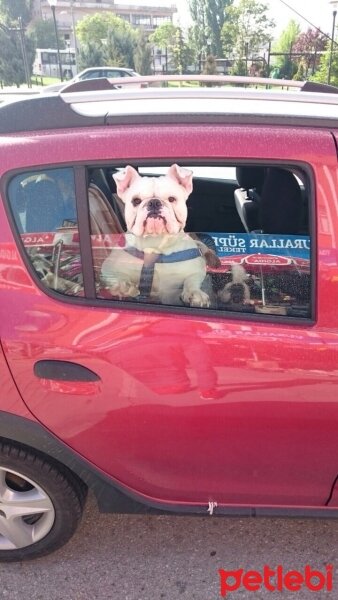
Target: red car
[169, 291]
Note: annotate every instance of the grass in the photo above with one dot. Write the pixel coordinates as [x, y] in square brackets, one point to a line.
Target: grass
[42, 80]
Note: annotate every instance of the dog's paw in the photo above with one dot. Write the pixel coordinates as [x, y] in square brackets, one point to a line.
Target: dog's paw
[196, 298]
[123, 289]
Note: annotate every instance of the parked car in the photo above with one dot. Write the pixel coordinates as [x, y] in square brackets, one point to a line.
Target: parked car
[93, 73]
[166, 370]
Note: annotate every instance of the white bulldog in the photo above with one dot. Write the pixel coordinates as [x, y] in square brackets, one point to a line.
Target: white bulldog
[160, 262]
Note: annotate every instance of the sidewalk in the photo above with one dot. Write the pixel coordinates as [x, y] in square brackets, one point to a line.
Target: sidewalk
[10, 93]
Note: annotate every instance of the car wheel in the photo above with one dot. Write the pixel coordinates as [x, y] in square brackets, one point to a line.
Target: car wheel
[40, 504]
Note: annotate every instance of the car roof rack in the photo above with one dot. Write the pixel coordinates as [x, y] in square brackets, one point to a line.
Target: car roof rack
[99, 102]
[96, 84]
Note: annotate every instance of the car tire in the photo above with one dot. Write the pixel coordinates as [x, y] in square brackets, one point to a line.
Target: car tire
[41, 503]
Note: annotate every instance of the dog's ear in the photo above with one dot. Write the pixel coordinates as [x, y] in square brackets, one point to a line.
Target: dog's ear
[124, 179]
[182, 176]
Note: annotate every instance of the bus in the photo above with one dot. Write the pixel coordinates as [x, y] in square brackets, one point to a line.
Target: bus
[46, 63]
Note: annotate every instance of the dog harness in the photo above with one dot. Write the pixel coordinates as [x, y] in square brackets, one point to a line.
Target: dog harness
[149, 261]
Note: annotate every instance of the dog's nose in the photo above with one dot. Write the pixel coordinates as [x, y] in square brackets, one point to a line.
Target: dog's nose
[154, 205]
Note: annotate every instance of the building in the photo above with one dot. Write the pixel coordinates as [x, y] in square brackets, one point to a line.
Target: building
[69, 12]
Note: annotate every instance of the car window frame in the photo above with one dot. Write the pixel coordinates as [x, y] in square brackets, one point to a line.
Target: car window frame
[81, 170]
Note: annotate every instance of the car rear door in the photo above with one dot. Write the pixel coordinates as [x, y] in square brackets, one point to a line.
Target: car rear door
[181, 405]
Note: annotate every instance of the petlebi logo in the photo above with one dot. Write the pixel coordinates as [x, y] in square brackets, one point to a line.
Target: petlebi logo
[277, 579]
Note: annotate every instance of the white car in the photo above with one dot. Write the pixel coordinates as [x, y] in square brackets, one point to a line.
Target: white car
[94, 73]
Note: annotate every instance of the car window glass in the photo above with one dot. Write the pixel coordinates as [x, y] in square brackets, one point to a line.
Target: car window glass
[221, 261]
[115, 73]
[44, 209]
[93, 75]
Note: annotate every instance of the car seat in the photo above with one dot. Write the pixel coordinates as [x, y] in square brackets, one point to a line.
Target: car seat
[103, 219]
[247, 196]
[107, 186]
[280, 203]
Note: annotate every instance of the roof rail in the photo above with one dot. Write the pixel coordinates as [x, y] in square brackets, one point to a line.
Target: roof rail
[233, 80]
[98, 102]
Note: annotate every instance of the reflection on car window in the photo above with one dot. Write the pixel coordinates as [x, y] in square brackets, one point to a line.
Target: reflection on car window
[183, 238]
[44, 209]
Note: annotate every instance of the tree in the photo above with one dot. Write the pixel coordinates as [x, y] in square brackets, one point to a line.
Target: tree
[210, 68]
[111, 39]
[209, 17]
[170, 37]
[284, 63]
[311, 44]
[119, 48]
[321, 75]
[91, 55]
[12, 10]
[246, 31]
[164, 36]
[142, 54]
[43, 33]
[97, 27]
[12, 70]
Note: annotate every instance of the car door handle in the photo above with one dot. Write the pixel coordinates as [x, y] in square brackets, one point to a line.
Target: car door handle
[61, 370]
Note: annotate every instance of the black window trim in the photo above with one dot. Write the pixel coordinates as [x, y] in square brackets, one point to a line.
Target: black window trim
[82, 208]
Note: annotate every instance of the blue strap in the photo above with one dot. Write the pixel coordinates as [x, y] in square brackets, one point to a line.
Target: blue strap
[166, 258]
[149, 261]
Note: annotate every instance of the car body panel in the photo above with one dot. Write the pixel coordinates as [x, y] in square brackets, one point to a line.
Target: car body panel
[11, 401]
[189, 408]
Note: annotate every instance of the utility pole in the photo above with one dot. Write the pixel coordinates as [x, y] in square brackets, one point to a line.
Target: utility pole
[24, 53]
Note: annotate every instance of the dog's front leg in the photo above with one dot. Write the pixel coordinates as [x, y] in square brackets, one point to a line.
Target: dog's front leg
[121, 287]
[192, 293]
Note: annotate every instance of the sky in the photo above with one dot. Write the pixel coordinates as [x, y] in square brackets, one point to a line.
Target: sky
[319, 12]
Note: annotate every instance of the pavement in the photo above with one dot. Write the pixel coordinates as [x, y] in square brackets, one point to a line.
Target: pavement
[142, 557]
[9, 93]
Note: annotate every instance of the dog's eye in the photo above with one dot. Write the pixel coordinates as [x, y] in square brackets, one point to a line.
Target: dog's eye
[136, 201]
[172, 199]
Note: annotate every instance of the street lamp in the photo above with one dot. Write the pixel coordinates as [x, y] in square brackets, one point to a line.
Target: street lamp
[74, 33]
[334, 4]
[52, 4]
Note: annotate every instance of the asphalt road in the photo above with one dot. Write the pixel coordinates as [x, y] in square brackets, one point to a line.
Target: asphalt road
[173, 558]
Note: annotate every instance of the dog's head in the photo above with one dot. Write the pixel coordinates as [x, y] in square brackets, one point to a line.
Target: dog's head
[154, 205]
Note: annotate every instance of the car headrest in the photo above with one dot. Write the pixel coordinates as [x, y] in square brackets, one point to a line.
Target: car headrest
[281, 203]
[250, 177]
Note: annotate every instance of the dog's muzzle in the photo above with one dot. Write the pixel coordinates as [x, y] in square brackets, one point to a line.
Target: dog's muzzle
[154, 206]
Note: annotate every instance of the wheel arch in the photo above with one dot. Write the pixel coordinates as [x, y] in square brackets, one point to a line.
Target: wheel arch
[33, 436]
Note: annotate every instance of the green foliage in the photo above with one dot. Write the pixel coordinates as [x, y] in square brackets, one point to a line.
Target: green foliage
[119, 48]
[106, 40]
[300, 73]
[209, 17]
[11, 10]
[164, 36]
[246, 31]
[12, 71]
[43, 33]
[286, 66]
[210, 66]
[90, 55]
[322, 74]
[143, 54]
[171, 38]
[310, 44]
[98, 27]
